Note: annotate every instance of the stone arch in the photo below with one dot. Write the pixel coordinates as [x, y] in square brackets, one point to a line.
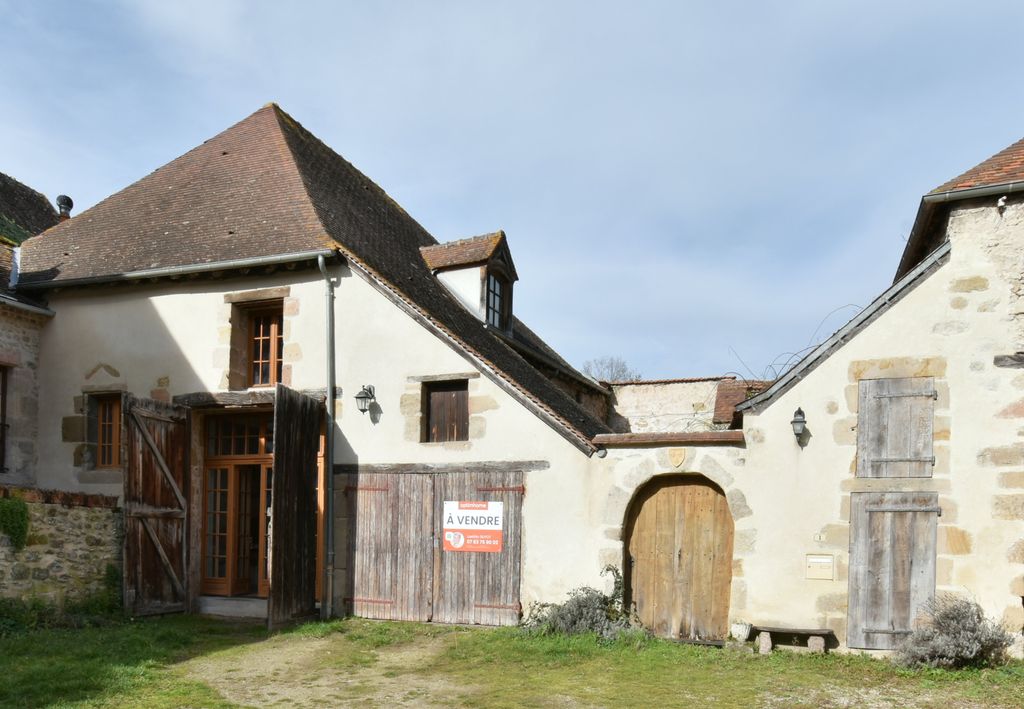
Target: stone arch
[677, 556]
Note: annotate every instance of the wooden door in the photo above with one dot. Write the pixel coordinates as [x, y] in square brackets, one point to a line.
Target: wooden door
[892, 565]
[479, 587]
[155, 508]
[392, 554]
[293, 508]
[679, 573]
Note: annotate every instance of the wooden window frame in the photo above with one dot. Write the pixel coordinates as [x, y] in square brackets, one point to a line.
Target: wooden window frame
[108, 430]
[454, 431]
[275, 311]
[497, 287]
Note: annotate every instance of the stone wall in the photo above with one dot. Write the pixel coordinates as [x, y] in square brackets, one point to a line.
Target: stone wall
[19, 351]
[72, 538]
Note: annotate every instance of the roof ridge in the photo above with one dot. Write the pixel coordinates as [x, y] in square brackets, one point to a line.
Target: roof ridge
[500, 234]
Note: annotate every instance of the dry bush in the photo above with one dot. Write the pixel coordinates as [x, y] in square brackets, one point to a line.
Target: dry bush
[587, 611]
[955, 634]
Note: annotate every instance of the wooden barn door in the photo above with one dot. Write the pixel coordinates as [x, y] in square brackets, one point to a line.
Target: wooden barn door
[479, 587]
[293, 508]
[892, 565]
[155, 508]
[392, 555]
[680, 535]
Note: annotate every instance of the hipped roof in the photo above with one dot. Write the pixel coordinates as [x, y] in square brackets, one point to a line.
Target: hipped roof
[267, 186]
[23, 211]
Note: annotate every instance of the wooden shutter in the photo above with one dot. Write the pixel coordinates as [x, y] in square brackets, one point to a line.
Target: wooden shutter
[293, 508]
[448, 412]
[892, 565]
[155, 508]
[894, 428]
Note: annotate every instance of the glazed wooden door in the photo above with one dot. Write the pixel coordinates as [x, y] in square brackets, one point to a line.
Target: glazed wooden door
[680, 537]
[155, 507]
[293, 508]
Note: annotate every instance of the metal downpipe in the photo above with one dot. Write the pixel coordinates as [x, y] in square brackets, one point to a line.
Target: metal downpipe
[327, 599]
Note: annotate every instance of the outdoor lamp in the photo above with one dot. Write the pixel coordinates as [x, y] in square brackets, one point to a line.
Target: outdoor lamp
[799, 423]
[364, 397]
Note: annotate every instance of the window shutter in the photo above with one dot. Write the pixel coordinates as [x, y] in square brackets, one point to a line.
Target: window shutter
[448, 412]
[894, 428]
[892, 565]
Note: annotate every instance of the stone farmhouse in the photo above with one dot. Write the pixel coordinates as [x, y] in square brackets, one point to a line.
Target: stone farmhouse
[298, 401]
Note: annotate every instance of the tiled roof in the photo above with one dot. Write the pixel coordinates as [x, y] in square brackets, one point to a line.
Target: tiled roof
[23, 211]
[731, 393]
[1005, 166]
[464, 252]
[266, 186]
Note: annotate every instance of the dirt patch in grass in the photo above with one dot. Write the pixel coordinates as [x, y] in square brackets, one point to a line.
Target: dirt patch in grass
[340, 664]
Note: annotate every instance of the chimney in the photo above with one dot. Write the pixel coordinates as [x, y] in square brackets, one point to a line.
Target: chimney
[64, 204]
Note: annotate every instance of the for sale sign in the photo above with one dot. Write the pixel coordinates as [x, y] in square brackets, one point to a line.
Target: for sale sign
[473, 526]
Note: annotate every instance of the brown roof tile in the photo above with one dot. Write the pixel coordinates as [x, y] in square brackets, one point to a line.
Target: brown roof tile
[731, 393]
[1005, 166]
[464, 252]
[267, 186]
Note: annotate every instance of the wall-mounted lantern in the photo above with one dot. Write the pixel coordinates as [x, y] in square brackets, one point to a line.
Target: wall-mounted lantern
[364, 397]
[799, 424]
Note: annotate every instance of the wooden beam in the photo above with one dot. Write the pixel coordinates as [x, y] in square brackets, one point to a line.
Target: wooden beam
[699, 438]
[257, 397]
[491, 466]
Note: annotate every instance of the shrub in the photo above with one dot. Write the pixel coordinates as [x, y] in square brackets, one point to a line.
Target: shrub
[14, 520]
[955, 634]
[587, 611]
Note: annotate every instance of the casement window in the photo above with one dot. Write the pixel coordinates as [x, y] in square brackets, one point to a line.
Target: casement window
[4, 426]
[499, 301]
[895, 428]
[265, 344]
[446, 411]
[107, 412]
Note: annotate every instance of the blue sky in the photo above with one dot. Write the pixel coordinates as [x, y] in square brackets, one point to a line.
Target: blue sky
[697, 187]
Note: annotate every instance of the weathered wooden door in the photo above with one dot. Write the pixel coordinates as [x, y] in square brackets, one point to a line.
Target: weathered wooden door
[293, 508]
[892, 565]
[679, 573]
[391, 558]
[155, 508]
[479, 587]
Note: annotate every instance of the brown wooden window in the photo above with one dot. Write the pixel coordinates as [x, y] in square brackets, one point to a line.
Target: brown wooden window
[266, 345]
[446, 409]
[894, 428]
[4, 371]
[499, 301]
[108, 431]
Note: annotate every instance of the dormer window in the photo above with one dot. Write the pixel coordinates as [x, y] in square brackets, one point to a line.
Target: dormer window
[497, 301]
[479, 273]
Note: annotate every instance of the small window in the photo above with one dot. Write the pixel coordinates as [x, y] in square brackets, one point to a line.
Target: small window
[108, 430]
[446, 409]
[498, 301]
[894, 428]
[265, 345]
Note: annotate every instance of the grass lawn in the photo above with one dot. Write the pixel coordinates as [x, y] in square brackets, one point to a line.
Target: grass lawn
[193, 662]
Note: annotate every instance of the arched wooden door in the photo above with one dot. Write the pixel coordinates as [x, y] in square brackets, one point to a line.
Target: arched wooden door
[679, 558]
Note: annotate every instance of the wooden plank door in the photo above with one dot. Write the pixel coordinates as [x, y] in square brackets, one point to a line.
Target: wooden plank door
[155, 507]
[679, 541]
[479, 587]
[892, 565]
[293, 508]
[392, 555]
